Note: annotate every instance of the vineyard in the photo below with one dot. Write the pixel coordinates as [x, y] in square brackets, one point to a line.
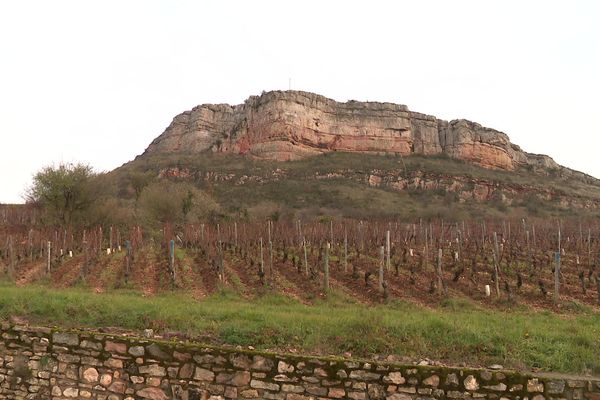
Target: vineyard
[498, 262]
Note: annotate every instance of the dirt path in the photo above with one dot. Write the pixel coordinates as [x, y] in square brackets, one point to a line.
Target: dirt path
[68, 272]
[248, 280]
[143, 272]
[188, 277]
[30, 272]
[233, 280]
[207, 273]
[302, 287]
[107, 273]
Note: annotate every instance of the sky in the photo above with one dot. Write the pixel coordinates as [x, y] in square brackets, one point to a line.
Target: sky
[97, 81]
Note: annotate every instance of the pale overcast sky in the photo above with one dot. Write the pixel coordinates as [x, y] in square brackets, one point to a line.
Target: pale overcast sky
[96, 81]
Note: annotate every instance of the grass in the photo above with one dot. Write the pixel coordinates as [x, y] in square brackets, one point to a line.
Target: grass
[108, 273]
[457, 332]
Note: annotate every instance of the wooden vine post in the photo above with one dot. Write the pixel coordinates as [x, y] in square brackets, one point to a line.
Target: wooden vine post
[361, 237]
[528, 250]
[438, 271]
[483, 234]
[101, 240]
[496, 268]
[84, 244]
[426, 255]
[345, 250]
[387, 251]
[381, 265]
[48, 252]
[127, 260]
[459, 243]
[326, 268]
[235, 232]
[305, 256]
[261, 271]
[557, 271]
[331, 231]
[589, 255]
[172, 260]
[30, 244]
[11, 256]
[270, 254]
[221, 260]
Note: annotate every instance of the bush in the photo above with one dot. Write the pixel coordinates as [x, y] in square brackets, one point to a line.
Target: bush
[170, 202]
[66, 192]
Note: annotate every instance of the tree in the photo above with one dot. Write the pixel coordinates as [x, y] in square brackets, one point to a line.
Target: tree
[138, 181]
[66, 192]
[186, 204]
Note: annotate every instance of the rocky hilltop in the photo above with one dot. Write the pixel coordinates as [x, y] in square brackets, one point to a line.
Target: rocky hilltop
[291, 125]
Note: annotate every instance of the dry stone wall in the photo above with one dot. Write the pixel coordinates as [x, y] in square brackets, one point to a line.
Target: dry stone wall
[44, 363]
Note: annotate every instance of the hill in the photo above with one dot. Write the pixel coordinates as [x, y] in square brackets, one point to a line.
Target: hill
[364, 185]
[300, 153]
[184, 223]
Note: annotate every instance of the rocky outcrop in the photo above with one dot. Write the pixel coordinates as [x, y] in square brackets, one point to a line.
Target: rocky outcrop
[290, 125]
[464, 188]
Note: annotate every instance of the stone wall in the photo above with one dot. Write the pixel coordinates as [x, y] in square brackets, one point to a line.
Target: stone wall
[44, 363]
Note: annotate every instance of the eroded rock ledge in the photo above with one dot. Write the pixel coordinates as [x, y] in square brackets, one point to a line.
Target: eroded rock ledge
[44, 363]
[290, 125]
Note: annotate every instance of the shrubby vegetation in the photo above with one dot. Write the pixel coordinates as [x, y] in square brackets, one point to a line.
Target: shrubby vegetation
[134, 193]
[171, 202]
[75, 195]
[66, 192]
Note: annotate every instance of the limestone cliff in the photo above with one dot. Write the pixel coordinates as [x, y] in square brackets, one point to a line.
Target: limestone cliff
[289, 125]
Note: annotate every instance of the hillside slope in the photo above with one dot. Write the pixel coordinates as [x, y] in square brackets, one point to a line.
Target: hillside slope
[366, 185]
[298, 152]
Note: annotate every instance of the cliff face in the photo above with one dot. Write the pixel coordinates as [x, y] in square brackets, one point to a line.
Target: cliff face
[290, 125]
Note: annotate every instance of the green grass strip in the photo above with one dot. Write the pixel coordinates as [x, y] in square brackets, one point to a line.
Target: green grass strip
[457, 332]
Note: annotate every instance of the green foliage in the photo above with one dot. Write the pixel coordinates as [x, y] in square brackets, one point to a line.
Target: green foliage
[139, 181]
[66, 192]
[222, 186]
[534, 205]
[187, 204]
[111, 211]
[44, 361]
[173, 202]
[458, 331]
